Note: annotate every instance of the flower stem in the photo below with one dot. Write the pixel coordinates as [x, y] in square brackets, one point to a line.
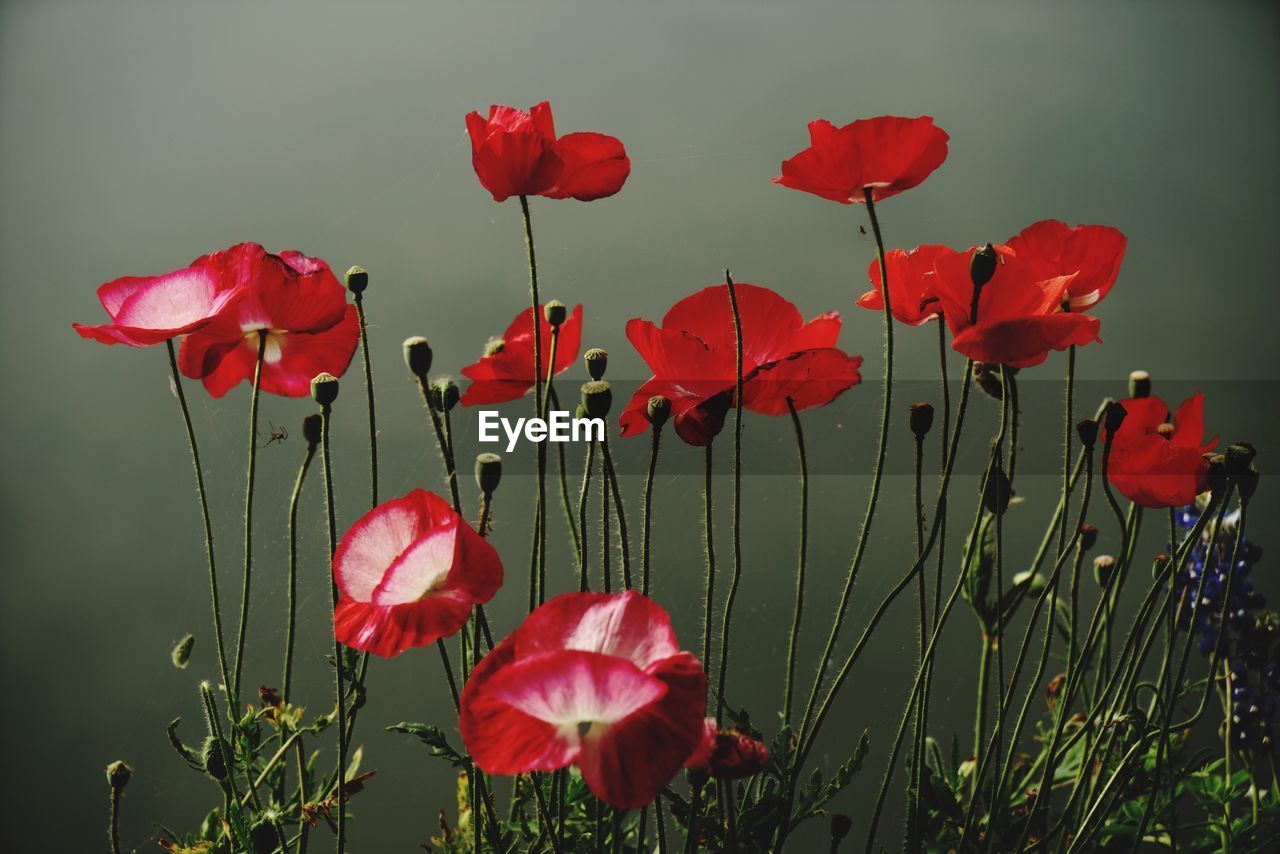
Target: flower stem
[619, 511]
[540, 508]
[368, 393]
[569, 517]
[442, 444]
[204, 514]
[865, 532]
[736, 578]
[646, 517]
[606, 563]
[248, 523]
[113, 829]
[338, 652]
[291, 626]
[917, 741]
[709, 534]
[1066, 442]
[583, 583]
[793, 644]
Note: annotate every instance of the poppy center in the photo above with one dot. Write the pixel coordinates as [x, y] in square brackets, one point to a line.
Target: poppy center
[273, 347]
[1166, 430]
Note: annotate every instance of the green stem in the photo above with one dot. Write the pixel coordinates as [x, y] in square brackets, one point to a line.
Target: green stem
[709, 535]
[204, 515]
[606, 562]
[113, 830]
[917, 740]
[1066, 441]
[618, 510]
[338, 654]
[794, 643]
[569, 517]
[540, 508]
[442, 444]
[691, 826]
[646, 519]
[291, 626]
[368, 393]
[583, 583]
[736, 578]
[980, 714]
[248, 522]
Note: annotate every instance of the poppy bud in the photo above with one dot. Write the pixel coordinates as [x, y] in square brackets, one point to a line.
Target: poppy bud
[1139, 384]
[417, 356]
[1217, 475]
[1088, 537]
[982, 265]
[324, 389]
[118, 774]
[488, 472]
[446, 394]
[998, 491]
[1238, 458]
[1247, 483]
[1087, 430]
[214, 756]
[987, 377]
[357, 280]
[597, 398]
[1053, 690]
[597, 360]
[1103, 567]
[555, 313]
[312, 427]
[262, 836]
[181, 653]
[1113, 417]
[1159, 565]
[921, 419]
[841, 824]
[659, 410]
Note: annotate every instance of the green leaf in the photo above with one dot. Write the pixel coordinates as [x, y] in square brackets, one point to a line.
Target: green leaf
[433, 737]
[188, 755]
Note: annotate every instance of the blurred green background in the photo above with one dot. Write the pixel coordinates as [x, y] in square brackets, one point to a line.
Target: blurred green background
[136, 136]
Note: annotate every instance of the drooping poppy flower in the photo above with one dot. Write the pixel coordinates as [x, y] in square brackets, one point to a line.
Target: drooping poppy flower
[911, 297]
[409, 572]
[595, 680]
[146, 310]
[516, 153]
[1157, 460]
[1019, 316]
[299, 304]
[505, 372]
[1092, 252]
[886, 155]
[728, 754]
[693, 356]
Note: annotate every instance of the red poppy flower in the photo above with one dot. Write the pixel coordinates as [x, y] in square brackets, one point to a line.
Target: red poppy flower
[1158, 460]
[518, 154]
[728, 754]
[146, 310]
[409, 572]
[1019, 318]
[887, 155]
[911, 296]
[506, 372]
[1092, 252]
[693, 356]
[595, 680]
[296, 300]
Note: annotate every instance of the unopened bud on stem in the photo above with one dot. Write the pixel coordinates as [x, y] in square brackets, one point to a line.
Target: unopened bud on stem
[1139, 384]
[597, 360]
[118, 774]
[658, 410]
[324, 389]
[445, 394]
[921, 419]
[597, 398]
[312, 427]
[488, 472]
[357, 280]
[1103, 567]
[555, 312]
[417, 356]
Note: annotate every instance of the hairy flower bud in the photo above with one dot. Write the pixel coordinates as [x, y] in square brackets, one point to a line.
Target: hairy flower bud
[357, 280]
[1247, 483]
[597, 398]
[921, 419]
[181, 653]
[1103, 567]
[488, 472]
[555, 312]
[597, 360]
[324, 389]
[1139, 384]
[1239, 456]
[1088, 537]
[1217, 475]
[987, 376]
[1160, 565]
[998, 491]
[118, 774]
[312, 428]
[417, 356]
[1053, 691]
[445, 394]
[1087, 430]
[982, 265]
[841, 824]
[1113, 417]
[214, 757]
[658, 410]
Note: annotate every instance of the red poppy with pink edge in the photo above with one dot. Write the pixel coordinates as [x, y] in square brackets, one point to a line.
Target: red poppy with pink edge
[886, 154]
[594, 680]
[515, 153]
[409, 572]
[1157, 459]
[506, 373]
[1093, 253]
[299, 303]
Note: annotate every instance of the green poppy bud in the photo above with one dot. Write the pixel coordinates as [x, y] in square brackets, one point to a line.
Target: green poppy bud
[555, 312]
[118, 774]
[446, 394]
[921, 419]
[1087, 430]
[324, 389]
[214, 756]
[1088, 537]
[998, 491]
[597, 398]
[312, 428]
[982, 265]
[181, 653]
[1104, 566]
[1239, 456]
[357, 280]
[1247, 483]
[659, 410]
[488, 472]
[417, 356]
[1113, 417]
[597, 360]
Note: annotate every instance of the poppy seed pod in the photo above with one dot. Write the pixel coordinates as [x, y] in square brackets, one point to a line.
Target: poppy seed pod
[1088, 537]
[1087, 430]
[1113, 418]
[181, 653]
[214, 757]
[921, 419]
[841, 824]
[488, 472]
[998, 491]
[1239, 456]
[1103, 567]
[357, 280]
[312, 427]
[445, 393]
[118, 774]
[597, 398]
[417, 356]
[1139, 384]
[659, 410]
[555, 312]
[1217, 474]
[1247, 483]
[982, 265]
[324, 389]
[597, 360]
